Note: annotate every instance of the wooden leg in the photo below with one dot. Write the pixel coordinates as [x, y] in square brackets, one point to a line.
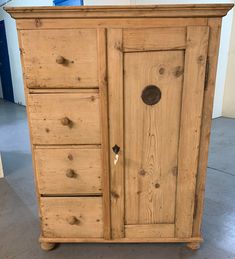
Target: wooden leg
[47, 246]
[193, 245]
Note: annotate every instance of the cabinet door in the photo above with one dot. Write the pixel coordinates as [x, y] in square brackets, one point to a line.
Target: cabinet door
[156, 84]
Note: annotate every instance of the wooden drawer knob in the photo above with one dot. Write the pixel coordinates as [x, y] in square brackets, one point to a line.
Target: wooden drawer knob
[66, 122]
[70, 157]
[60, 60]
[72, 220]
[71, 173]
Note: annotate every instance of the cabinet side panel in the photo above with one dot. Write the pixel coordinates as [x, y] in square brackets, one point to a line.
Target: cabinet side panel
[214, 40]
[26, 91]
[192, 101]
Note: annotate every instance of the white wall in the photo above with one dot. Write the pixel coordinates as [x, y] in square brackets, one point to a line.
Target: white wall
[222, 64]
[13, 47]
[229, 91]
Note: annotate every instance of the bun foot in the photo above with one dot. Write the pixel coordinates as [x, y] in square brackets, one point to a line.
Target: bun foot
[193, 245]
[47, 246]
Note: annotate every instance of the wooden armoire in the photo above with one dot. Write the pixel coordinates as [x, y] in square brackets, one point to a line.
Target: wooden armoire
[119, 103]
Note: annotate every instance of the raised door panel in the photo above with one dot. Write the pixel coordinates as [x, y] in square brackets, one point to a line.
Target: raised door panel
[152, 135]
[153, 183]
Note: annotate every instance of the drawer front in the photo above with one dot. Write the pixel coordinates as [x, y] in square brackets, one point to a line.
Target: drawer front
[60, 58]
[68, 170]
[64, 118]
[72, 217]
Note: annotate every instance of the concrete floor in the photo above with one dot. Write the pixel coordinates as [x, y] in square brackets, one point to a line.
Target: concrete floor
[19, 225]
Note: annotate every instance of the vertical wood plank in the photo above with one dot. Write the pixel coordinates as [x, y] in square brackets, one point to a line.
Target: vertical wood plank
[26, 91]
[103, 91]
[214, 40]
[152, 135]
[192, 100]
[115, 79]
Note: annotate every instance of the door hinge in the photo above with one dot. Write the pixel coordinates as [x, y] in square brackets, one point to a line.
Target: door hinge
[207, 73]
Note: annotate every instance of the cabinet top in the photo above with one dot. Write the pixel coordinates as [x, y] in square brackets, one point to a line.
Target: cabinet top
[126, 11]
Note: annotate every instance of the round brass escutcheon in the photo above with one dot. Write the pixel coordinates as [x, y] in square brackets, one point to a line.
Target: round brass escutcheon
[72, 220]
[151, 95]
[71, 173]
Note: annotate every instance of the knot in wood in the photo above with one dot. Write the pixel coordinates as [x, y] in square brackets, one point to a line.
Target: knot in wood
[142, 172]
[179, 71]
[114, 194]
[161, 70]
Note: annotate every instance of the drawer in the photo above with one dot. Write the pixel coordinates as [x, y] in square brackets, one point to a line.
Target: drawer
[68, 170]
[72, 217]
[60, 58]
[64, 118]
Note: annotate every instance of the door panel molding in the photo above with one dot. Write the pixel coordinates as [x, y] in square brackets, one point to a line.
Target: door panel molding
[151, 135]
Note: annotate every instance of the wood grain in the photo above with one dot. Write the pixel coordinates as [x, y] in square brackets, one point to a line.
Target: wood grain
[192, 100]
[214, 40]
[30, 131]
[115, 79]
[152, 136]
[61, 90]
[149, 230]
[154, 39]
[121, 240]
[179, 10]
[109, 54]
[56, 212]
[52, 166]
[135, 22]
[40, 50]
[103, 86]
[47, 110]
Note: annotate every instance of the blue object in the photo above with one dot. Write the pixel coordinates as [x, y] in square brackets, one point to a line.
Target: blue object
[5, 70]
[68, 2]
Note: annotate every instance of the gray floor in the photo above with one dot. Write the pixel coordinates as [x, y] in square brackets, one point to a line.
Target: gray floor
[19, 227]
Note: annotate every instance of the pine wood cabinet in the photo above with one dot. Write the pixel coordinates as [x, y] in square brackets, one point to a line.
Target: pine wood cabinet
[119, 103]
